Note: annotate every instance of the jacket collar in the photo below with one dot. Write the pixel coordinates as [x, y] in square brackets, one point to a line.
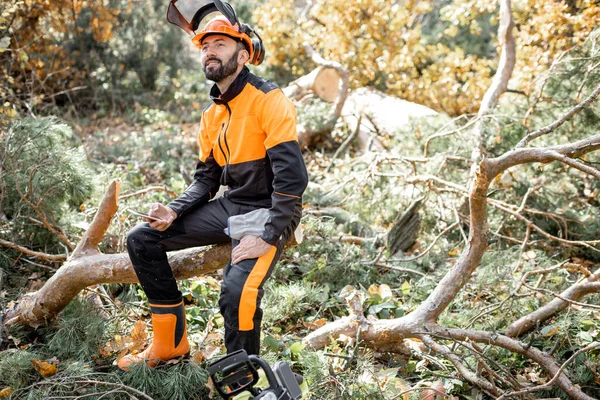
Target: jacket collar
[234, 89]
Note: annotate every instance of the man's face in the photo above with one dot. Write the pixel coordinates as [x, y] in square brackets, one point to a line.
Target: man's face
[219, 57]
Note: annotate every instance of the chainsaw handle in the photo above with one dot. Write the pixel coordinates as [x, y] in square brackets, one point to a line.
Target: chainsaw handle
[273, 384]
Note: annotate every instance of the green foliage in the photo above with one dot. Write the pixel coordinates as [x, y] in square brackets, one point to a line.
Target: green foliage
[45, 175]
[203, 294]
[78, 333]
[289, 302]
[314, 114]
[181, 381]
[16, 369]
[328, 263]
[148, 155]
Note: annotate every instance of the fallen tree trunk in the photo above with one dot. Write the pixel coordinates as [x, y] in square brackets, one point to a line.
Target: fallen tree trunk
[87, 266]
[323, 81]
[374, 113]
[35, 309]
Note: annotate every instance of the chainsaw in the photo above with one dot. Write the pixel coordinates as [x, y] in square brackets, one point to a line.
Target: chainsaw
[238, 372]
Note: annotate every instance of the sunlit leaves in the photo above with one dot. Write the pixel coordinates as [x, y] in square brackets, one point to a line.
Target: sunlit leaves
[45, 368]
[432, 54]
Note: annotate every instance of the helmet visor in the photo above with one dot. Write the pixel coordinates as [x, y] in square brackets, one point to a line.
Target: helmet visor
[191, 15]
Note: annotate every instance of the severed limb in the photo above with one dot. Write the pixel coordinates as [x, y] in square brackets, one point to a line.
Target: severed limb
[87, 266]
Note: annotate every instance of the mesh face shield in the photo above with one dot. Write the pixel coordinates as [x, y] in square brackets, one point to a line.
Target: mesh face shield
[192, 15]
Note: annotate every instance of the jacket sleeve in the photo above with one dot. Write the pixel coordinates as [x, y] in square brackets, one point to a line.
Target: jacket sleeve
[278, 120]
[206, 178]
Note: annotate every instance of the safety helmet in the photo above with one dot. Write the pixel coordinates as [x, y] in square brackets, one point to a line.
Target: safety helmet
[221, 26]
[190, 14]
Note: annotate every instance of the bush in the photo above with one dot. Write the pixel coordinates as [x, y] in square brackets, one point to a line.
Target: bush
[45, 178]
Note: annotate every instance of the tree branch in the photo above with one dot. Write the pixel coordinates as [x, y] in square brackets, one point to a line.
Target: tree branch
[78, 273]
[545, 361]
[575, 292]
[24, 250]
[501, 78]
[556, 124]
[108, 206]
[548, 385]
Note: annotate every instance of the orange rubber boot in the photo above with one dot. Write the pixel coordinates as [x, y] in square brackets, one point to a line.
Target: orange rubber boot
[170, 336]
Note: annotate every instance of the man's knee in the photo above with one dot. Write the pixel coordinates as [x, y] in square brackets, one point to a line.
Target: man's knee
[142, 245]
[138, 237]
[229, 301]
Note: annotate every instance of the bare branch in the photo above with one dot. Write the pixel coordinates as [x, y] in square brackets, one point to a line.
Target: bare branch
[148, 190]
[549, 384]
[24, 250]
[544, 360]
[542, 155]
[575, 292]
[443, 133]
[556, 124]
[589, 287]
[589, 244]
[93, 235]
[460, 367]
[501, 78]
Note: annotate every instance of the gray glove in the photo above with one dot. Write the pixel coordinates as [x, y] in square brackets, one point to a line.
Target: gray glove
[252, 223]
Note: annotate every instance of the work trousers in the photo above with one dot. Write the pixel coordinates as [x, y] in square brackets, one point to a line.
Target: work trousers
[242, 287]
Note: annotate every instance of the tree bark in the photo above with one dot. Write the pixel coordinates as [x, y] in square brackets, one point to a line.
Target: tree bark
[35, 309]
[542, 314]
[87, 266]
[323, 81]
[500, 81]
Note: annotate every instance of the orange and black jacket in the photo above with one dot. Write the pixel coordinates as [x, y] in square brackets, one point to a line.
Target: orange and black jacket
[248, 142]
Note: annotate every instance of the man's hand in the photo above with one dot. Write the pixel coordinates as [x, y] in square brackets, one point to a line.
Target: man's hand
[249, 247]
[166, 215]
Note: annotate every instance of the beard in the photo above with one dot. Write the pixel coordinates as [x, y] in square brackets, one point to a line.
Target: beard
[217, 74]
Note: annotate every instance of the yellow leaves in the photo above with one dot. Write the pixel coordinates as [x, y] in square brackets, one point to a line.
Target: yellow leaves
[384, 291]
[122, 344]
[454, 252]
[316, 324]
[139, 331]
[45, 368]
[6, 392]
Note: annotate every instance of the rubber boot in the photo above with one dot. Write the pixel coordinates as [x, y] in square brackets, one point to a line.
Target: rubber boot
[170, 336]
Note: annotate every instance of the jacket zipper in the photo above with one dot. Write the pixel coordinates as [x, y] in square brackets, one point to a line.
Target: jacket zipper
[223, 134]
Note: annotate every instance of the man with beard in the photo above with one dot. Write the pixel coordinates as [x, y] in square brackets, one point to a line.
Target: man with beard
[248, 142]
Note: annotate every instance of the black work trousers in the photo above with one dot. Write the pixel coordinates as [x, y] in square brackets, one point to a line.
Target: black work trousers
[242, 287]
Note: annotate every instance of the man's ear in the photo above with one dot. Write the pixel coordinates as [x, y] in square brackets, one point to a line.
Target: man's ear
[243, 56]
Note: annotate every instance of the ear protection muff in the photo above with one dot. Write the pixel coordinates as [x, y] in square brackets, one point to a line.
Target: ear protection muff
[258, 48]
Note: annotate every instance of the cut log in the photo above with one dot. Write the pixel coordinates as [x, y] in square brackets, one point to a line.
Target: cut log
[330, 82]
[35, 309]
[324, 81]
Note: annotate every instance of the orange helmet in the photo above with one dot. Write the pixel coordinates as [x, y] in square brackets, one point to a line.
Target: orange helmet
[221, 26]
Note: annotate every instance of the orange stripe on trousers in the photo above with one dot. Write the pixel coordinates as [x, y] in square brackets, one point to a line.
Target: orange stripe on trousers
[250, 291]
